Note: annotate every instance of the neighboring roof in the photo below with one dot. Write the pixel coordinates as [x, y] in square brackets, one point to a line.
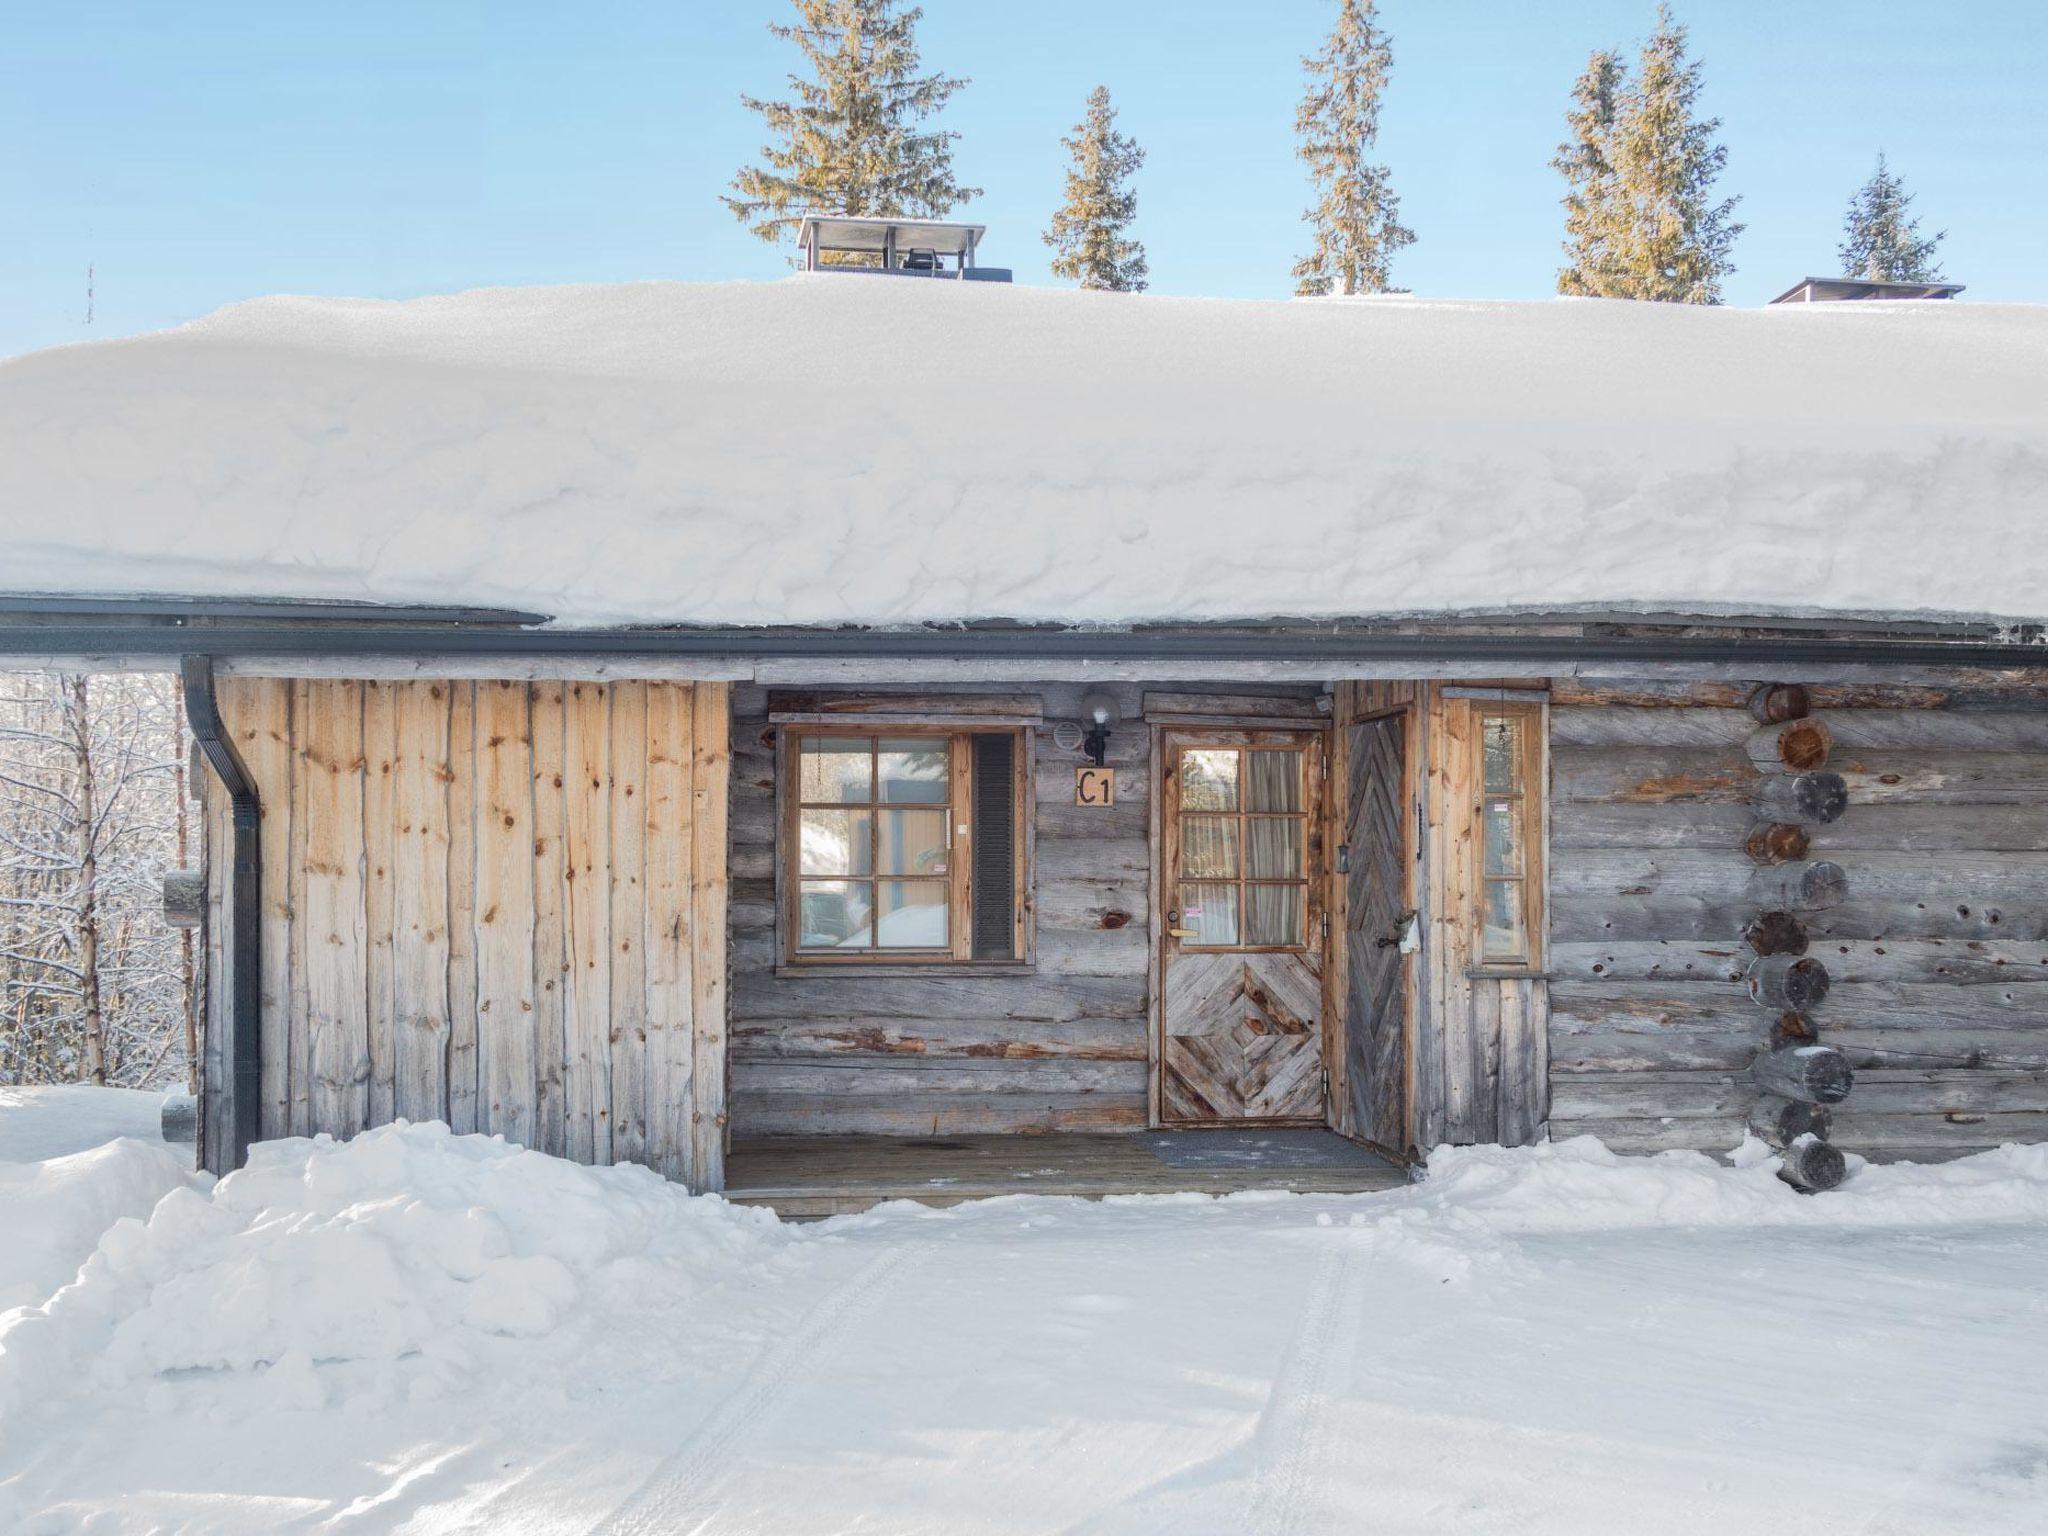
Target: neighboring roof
[1809, 289]
[838, 233]
[825, 451]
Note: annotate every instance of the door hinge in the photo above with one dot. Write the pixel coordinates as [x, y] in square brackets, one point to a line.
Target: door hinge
[1326, 927]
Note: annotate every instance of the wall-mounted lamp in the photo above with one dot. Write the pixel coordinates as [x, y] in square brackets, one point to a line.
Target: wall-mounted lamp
[1099, 710]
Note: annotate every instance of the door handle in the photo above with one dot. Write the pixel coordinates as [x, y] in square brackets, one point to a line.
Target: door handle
[1184, 933]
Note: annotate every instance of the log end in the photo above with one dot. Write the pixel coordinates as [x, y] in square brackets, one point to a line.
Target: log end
[1775, 933]
[1775, 703]
[1812, 1166]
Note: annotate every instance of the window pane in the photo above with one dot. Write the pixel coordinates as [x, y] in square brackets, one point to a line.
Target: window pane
[1208, 846]
[1211, 910]
[913, 843]
[835, 770]
[1273, 847]
[833, 914]
[1272, 914]
[1501, 935]
[1503, 837]
[911, 914]
[836, 843]
[1208, 780]
[913, 769]
[1273, 781]
[1503, 740]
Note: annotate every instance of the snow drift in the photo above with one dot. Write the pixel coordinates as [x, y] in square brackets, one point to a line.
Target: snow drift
[397, 1246]
[838, 449]
[53, 1211]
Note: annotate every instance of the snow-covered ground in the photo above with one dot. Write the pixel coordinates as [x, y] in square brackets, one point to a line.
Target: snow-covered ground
[837, 448]
[425, 1333]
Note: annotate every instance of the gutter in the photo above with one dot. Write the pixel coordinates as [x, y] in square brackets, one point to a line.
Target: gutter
[1333, 646]
[241, 1107]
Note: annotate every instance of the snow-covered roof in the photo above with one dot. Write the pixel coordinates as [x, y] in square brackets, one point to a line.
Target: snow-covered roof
[826, 450]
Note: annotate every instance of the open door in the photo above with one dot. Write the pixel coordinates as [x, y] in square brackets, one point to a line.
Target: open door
[1376, 915]
[1241, 956]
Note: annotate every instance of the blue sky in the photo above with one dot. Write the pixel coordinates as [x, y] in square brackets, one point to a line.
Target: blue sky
[203, 153]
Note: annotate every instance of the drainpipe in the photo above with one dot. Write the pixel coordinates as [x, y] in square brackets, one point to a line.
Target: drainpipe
[239, 1120]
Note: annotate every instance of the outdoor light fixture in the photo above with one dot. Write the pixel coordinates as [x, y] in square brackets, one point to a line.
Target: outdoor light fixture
[1099, 710]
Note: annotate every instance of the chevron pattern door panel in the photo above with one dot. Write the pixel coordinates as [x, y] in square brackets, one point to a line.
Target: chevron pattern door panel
[1241, 952]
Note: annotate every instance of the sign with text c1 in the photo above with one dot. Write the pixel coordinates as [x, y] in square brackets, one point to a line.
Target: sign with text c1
[1095, 786]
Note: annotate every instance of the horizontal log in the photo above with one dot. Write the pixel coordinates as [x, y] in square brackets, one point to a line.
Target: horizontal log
[1812, 1074]
[1781, 982]
[1775, 703]
[1024, 998]
[1083, 907]
[1879, 777]
[913, 1077]
[1638, 1138]
[1802, 798]
[1872, 777]
[1983, 1092]
[1649, 1095]
[776, 1114]
[1664, 1004]
[942, 1039]
[1959, 962]
[1091, 861]
[1122, 951]
[1896, 827]
[1790, 746]
[1680, 918]
[1648, 775]
[1867, 1134]
[1811, 1166]
[1781, 1121]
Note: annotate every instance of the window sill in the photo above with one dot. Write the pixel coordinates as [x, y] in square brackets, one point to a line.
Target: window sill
[906, 968]
[1506, 973]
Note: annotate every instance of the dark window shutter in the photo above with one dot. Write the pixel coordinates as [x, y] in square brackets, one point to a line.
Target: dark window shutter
[995, 847]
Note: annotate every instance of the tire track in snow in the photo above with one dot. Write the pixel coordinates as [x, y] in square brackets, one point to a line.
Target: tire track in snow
[681, 1494]
[1295, 1421]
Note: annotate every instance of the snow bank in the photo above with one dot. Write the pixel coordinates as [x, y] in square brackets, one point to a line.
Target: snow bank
[1579, 1185]
[396, 1250]
[52, 1212]
[54, 1120]
[834, 448]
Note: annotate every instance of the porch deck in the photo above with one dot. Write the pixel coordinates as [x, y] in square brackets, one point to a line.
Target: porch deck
[804, 1176]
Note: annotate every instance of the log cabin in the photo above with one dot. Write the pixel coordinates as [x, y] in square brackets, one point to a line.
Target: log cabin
[835, 740]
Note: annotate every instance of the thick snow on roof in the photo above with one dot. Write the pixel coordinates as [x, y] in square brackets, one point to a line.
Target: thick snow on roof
[837, 448]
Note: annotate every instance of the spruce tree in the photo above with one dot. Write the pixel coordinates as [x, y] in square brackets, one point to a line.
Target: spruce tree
[1881, 240]
[1089, 228]
[1671, 238]
[1589, 177]
[1356, 217]
[853, 139]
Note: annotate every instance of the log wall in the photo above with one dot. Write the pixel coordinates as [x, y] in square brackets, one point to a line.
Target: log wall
[495, 903]
[1060, 1045]
[1938, 955]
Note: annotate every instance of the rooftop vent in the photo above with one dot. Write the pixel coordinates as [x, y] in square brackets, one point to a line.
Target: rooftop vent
[895, 248]
[1836, 290]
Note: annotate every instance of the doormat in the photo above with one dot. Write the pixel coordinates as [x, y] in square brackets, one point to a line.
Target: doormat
[1280, 1148]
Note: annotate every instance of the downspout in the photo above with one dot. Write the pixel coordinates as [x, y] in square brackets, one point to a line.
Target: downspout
[240, 1122]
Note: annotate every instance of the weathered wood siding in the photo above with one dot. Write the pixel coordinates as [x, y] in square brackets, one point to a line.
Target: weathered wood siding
[1480, 1070]
[1060, 1045]
[496, 903]
[1939, 954]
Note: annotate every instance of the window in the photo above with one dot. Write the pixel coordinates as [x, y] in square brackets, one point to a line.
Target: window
[902, 845]
[1243, 848]
[1510, 834]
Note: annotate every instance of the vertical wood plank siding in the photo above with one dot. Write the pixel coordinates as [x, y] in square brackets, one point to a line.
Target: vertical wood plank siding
[474, 911]
[1939, 956]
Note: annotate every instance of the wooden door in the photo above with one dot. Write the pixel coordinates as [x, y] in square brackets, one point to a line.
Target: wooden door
[1374, 866]
[1241, 955]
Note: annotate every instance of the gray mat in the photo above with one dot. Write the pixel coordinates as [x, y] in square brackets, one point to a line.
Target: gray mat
[1280, 1148]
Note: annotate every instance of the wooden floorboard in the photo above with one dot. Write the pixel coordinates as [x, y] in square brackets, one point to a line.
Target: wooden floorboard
[836, 1175]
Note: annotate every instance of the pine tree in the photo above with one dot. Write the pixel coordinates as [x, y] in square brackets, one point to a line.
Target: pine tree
[1589, 178]
[1641, 221]
[1881, 240]
[1088, 230]
[852, 140]
[1671, 239]
[1356, 217]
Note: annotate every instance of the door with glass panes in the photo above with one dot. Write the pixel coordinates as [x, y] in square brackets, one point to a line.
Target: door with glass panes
[1241, 955]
